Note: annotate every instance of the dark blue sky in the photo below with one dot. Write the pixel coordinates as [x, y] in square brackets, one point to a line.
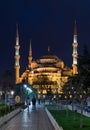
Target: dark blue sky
[47, 23]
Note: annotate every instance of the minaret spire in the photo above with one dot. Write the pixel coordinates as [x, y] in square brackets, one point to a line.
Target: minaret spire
[17, 35]
[30, 54]
[75, 33]
[17, 56]
[48, 49]
[30, 51]
[75, 54]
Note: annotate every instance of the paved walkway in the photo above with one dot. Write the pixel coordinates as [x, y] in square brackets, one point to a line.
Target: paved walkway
[29, 119]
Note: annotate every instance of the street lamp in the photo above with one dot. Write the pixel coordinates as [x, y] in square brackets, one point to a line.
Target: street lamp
[11, 99]
[12, 92]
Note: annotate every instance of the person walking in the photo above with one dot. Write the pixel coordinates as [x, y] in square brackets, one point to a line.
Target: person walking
[34, 101]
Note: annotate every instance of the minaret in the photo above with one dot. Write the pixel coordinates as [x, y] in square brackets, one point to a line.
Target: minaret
[30, 55]
[48, 49]
[17, 57]
[75, 54]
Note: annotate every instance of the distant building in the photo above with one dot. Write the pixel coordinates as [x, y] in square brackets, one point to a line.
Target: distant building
[47, 72]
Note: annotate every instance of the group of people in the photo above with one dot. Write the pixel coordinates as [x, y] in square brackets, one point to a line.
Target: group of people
[33, 101]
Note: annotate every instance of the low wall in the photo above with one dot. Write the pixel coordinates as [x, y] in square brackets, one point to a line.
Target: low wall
[54, 123]
[7, 117]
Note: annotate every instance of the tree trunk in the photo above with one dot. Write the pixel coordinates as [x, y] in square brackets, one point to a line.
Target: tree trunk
[73, 111]
[72, 106]
[81, 117]
[67, 110]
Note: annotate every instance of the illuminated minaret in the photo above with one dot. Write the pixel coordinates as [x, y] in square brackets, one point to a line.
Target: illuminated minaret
[30, 55]
[75, 54]
[48, 49]
[17, 57]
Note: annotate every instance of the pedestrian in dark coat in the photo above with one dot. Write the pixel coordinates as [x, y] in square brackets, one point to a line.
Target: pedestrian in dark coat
[34, 101]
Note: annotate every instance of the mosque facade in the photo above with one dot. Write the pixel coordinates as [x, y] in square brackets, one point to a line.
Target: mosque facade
[48, 73]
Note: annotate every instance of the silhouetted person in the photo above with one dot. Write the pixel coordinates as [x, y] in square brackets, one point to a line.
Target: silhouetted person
[39, 101]
[34, 101]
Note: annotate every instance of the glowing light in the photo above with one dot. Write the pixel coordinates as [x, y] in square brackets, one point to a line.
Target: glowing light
[16, 64]
[25, 85]
[75, 40]
[27, 89]
[12, 92]
[75, 61]
[17, 42]
[17, 52]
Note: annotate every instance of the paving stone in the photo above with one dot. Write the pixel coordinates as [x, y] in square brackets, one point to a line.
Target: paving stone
[29, 119]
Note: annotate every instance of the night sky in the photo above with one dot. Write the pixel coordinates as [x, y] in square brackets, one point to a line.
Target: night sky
[47, 23]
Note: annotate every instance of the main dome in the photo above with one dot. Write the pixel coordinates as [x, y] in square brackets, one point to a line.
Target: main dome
[49, 58]
[49, 62]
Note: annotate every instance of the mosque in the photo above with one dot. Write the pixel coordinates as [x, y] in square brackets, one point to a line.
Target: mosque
[49, 71]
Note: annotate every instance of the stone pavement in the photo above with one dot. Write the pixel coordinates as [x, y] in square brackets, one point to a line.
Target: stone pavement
[29, 119]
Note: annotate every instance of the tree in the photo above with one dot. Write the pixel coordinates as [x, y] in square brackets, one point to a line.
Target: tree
[7, 75]
[69, 89]
[84, 68]
[7, 80]
[80, 82]
[84, 77]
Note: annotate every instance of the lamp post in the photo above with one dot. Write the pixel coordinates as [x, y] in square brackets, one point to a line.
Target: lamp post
[11, 99]
[5, 99]
[5, 102]
[0, 94]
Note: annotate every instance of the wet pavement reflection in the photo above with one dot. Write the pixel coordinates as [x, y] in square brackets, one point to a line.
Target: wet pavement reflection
[32, 118]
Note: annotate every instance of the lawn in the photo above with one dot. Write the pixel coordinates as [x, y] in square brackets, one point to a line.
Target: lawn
[67, 122]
